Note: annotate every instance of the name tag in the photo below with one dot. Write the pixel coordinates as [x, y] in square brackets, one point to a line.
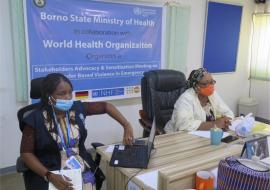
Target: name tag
[73, 163]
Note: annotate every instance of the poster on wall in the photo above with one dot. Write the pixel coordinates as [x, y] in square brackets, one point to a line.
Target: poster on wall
[103, 48]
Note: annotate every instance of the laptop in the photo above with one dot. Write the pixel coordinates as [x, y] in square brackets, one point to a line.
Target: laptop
[136, 156]
[258, 149]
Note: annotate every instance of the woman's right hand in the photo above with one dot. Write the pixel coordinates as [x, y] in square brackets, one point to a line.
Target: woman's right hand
[223, 122]
[61, 182]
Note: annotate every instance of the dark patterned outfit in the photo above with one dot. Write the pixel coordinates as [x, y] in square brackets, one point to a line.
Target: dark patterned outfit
[41, 138]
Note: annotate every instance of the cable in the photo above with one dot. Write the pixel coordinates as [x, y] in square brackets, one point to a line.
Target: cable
[131, 178]
[152, 152]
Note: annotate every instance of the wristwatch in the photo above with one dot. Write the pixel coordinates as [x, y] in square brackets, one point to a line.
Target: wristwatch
[47, 176]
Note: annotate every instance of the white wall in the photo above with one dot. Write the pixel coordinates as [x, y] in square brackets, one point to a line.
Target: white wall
[9, 132]
[231, 86]
[260, 90]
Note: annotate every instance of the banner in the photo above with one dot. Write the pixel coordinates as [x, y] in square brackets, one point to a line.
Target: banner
[103, 48]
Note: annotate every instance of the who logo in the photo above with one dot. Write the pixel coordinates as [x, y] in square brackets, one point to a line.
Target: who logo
[40, 3]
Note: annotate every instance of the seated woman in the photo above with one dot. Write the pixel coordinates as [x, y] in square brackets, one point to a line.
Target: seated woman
[55, 133]
[199, 107]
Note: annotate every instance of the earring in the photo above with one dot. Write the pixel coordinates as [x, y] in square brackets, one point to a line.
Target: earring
[197, 89]
[50, 102]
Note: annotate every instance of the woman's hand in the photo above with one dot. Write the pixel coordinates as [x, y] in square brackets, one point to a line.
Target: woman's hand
[128, 135]
[61, 182]
[223, 122]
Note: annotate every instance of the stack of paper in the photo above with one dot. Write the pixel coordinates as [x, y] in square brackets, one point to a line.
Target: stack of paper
[75, 175]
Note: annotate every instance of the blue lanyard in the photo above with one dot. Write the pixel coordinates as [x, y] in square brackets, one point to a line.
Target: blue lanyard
[67, 145]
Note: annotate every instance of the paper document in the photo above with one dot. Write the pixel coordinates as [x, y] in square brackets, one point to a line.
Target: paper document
[206, 134]
[150, 179]
[75, 175]
[133, 186]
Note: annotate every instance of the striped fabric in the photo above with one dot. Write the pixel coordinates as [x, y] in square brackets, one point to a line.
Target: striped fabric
[232, 175]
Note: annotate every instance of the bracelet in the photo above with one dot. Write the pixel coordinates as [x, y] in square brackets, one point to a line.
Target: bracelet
[47, 176]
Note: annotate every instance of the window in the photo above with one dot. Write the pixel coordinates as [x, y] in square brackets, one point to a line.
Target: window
[260, 48]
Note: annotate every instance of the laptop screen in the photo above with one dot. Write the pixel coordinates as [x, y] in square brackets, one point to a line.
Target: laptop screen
[151, 137]
[259, 147]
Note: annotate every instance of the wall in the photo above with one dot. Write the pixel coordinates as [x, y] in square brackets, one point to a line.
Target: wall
[260, 90]
[9, 133]
[231, 86]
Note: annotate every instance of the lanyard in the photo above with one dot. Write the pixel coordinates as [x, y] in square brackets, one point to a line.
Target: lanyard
[67, 145]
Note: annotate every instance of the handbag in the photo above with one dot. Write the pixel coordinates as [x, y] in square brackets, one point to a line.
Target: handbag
[233, 174]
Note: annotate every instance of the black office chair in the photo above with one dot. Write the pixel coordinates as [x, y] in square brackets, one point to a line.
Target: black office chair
[35, 93]
[160, 90]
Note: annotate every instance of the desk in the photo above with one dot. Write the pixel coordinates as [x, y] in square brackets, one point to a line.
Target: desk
[178, 155]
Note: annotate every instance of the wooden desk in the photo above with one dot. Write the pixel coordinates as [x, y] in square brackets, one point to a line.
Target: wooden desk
[178, 157]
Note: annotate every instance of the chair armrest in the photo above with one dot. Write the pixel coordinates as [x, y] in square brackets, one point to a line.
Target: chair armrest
[144, 126]
[96, 144]
[20, 165]
[148, 128]
[98, 156]
[146, 122]
[160, 131]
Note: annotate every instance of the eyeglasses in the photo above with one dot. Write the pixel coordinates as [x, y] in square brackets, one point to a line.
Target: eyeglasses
[205, 84]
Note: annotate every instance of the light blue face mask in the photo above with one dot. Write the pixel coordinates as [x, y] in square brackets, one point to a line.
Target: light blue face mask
[63, 105]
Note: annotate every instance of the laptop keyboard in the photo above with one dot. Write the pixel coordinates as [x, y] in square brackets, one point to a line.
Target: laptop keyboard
[131, 153]
[131, 156]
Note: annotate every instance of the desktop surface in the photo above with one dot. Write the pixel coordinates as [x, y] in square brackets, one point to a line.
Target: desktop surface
[178, 153]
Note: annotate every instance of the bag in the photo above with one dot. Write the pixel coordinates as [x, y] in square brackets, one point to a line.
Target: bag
[234, 175]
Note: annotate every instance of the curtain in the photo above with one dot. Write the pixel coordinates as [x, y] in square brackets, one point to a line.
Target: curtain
[177, 28]
[19, 50]
[260, 48]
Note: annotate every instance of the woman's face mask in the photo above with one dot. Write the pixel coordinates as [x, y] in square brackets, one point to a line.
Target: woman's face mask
[207, 91]
[61, 98]
[205, 86]
[63, 105]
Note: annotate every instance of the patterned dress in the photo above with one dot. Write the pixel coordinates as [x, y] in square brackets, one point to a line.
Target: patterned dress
[41, 137]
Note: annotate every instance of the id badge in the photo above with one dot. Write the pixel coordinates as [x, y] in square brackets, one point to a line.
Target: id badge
[73, 163]
[88, 177]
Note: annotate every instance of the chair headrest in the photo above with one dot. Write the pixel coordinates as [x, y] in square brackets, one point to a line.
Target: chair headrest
[165, 80]
[35, 91]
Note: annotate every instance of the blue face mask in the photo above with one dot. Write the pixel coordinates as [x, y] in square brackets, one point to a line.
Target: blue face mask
[63, 105]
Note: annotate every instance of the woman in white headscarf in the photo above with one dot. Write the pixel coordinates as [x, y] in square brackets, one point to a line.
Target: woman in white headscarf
[199, 107]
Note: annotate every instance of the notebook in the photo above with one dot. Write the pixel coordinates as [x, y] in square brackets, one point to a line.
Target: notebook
[136, 156]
